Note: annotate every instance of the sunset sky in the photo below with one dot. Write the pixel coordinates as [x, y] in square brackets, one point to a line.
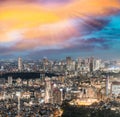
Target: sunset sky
[59, 28]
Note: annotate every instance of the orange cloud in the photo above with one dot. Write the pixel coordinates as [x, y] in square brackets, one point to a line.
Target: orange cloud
[49, 25]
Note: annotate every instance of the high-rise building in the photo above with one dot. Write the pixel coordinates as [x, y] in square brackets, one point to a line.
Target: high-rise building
[47, 90]
[97, 64]
[45, 63]
[2, 81]
[57, 96]
[91, 64]
[116, 88]
[42, 77]
[68, 60]
[94, 64]
[70, 65]
[108, 85]
[20, 64]
[10, 80]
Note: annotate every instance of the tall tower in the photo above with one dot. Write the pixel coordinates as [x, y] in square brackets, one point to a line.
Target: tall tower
[91, 64]
[47, 90]
[20, 64]
[68, 63]
[107, 85]
[68, 60]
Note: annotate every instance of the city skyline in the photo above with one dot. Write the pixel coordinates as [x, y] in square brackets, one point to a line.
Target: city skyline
[56, 29]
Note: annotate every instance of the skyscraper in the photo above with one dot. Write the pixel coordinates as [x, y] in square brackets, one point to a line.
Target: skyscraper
[20, 64]
[107, 85]
[91, 64]
[57, 95]
[68, 60]
[47, 90]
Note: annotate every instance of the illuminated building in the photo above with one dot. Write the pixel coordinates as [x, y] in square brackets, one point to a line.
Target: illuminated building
[107, 86]
[42, 77]
[97, 64]
[68, 60]
[116, 88]
[10, 80]
[47, 90]
[20, 64]
[18, 94]
[91, 63]
[57, 96]
[94, 64]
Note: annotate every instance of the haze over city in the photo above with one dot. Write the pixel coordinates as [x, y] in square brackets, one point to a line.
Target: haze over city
[59, 28]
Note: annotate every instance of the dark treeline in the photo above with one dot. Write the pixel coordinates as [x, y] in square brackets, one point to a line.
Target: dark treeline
[24, 75]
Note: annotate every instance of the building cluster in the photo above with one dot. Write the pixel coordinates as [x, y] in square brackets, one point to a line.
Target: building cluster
[82, 65]
[79, 82]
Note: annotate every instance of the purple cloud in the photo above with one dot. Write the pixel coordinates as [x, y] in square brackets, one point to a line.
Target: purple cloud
[81, 45]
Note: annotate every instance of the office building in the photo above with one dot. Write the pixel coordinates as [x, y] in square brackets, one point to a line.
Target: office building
[20, 66]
